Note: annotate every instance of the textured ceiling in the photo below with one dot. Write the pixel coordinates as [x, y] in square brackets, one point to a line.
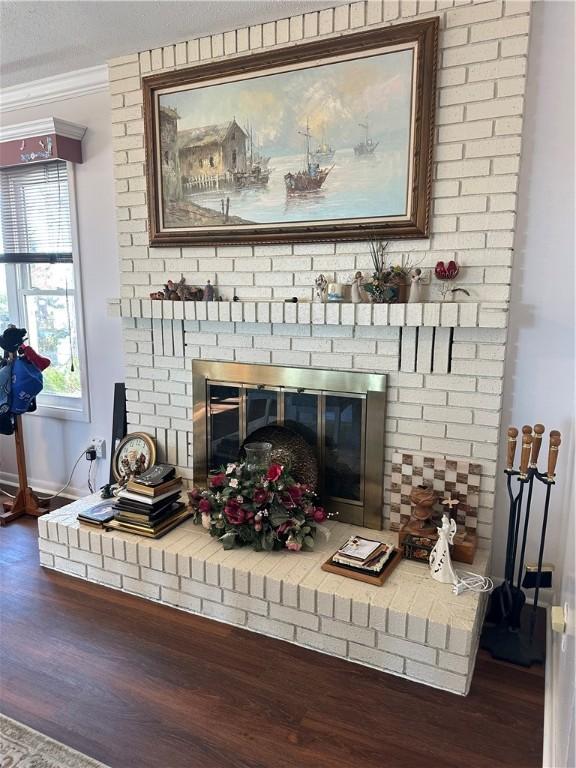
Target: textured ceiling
[45, 38]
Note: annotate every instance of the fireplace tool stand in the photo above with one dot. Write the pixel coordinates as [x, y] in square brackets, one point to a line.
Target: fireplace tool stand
[512, 631]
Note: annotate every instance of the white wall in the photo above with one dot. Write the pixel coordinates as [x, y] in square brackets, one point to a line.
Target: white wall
[52, 445]
[539, 379]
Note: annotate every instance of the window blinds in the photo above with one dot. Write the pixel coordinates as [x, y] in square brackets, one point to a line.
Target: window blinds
[35, 214]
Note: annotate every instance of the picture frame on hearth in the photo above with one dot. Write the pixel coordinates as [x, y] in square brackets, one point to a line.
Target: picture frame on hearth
[324, 140]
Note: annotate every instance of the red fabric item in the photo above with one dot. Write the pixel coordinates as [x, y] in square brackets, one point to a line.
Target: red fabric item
[33, 357]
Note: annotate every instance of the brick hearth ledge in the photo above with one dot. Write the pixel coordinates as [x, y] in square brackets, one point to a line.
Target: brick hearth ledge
[411, 626]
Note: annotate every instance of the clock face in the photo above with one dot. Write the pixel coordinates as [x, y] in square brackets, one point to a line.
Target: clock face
[134, 455]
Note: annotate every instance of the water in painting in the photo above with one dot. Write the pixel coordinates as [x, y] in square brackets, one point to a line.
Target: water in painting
[318, 144]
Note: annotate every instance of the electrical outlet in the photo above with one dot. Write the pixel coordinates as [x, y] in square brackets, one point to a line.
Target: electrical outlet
[100, 447]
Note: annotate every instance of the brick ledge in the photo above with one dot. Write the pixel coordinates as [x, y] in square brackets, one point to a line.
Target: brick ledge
[411, 626]
[430, 314]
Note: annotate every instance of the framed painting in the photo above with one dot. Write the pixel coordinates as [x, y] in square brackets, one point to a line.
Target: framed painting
[325, 140]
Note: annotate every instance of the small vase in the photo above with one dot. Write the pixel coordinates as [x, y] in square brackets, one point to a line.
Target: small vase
[257, 458]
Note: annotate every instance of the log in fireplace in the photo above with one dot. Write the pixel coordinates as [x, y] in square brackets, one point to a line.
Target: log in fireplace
[340, 414]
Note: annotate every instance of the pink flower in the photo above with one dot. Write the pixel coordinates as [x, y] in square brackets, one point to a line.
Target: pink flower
[319, 514]
[293, 545]
[234, 514]
[217, 481]
[274, 472]
[204, 506]
[260, 496]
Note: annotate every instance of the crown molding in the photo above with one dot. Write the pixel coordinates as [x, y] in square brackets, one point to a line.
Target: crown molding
[68, 85]
[44, 127]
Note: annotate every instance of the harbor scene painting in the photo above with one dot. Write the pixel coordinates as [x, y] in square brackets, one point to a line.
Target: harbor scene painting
[328, 142]
[314, 144]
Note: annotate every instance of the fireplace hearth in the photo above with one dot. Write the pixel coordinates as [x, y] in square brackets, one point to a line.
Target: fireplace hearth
[340, 414]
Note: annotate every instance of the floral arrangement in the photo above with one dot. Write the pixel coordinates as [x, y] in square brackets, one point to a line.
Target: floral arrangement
[267, 510]
[388, 282]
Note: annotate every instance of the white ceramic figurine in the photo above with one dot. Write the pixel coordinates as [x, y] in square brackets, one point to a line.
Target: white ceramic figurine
[440, 561]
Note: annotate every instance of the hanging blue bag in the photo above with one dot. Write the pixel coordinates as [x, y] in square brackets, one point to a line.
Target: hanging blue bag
[27, 382]
[5, 388]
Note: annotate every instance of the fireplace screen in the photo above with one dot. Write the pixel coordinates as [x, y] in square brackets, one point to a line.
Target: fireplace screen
[339, 414]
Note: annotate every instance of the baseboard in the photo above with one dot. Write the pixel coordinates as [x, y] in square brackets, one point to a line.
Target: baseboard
[548, 751]
[42, 488]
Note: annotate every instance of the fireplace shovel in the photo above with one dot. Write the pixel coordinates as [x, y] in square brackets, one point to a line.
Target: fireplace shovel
[507, 601]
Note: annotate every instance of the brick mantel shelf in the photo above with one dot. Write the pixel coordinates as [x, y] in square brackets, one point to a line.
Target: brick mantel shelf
[429, 315]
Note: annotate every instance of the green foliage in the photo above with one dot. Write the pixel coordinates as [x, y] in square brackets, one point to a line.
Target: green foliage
[60, 380]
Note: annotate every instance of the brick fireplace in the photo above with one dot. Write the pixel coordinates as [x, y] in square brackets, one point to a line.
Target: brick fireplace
[443, 362]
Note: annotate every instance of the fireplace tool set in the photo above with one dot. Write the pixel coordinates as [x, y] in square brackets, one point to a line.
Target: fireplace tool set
[509, 632]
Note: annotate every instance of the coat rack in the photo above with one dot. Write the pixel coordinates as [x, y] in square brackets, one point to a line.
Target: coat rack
[25, 502]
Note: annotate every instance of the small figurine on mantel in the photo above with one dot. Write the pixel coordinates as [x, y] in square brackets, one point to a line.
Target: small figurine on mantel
[415, 296]
[356, 293]
[178, 292]
[320, 291]
[208, 291]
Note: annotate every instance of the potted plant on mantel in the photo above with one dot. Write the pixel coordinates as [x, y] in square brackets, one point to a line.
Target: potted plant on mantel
[389, 283]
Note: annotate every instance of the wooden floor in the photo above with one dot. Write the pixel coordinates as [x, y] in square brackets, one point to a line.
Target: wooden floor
[138, 685]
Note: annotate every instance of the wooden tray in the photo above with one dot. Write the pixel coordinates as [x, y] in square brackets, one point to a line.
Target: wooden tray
[377, 580]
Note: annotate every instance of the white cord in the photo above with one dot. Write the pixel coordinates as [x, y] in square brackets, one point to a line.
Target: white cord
[473, 582]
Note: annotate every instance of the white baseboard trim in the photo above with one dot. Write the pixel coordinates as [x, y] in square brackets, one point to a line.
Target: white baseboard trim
[10, 480]
[548, 752]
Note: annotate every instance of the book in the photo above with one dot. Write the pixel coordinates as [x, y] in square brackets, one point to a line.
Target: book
[155, 475]
[153, 490]
[145, 510]
[358, 548]
[149, 522]
[152, 533]
[373, 564]
[147, 500]
[97, 515]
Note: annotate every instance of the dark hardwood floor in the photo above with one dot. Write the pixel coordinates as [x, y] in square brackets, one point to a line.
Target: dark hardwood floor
[137, 685]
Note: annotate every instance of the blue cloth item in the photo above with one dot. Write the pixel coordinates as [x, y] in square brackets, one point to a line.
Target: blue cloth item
[27, 382]
[5, 388]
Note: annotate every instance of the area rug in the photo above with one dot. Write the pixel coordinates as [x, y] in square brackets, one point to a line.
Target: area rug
[22, 747]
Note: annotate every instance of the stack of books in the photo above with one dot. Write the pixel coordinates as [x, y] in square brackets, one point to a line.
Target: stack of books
[363, 555]
[149, 506]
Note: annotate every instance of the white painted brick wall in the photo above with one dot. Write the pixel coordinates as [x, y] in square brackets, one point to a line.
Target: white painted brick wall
[481, 79]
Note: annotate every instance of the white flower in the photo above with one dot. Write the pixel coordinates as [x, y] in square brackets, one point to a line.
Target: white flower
[240, 499]
[230, 468]
[233, 483]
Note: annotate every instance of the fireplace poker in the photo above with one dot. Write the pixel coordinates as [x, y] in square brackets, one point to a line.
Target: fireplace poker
[536, 444]
[501, 599]
[549, 479]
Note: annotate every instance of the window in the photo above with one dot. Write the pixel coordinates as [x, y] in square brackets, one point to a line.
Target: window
[39, 278]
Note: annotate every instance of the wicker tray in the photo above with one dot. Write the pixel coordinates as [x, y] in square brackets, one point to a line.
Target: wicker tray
[377, 579]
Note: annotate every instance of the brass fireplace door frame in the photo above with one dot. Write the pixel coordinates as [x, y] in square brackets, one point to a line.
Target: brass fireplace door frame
[371, 386]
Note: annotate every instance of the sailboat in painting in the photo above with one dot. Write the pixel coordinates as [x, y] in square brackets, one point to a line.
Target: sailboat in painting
[324, 152]
[312, 177]
[366, 147]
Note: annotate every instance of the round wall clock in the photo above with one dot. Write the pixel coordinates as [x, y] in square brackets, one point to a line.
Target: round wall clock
[135, 453]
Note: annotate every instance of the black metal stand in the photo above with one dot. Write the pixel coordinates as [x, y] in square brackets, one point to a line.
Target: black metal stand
[514, 631]
[523, 646]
